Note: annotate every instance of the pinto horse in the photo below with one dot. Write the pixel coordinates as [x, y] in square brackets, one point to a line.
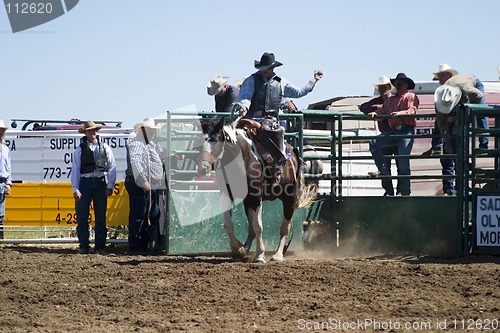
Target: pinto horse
[241, 173]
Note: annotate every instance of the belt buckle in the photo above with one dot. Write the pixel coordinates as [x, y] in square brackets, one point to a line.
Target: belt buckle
[399, 126]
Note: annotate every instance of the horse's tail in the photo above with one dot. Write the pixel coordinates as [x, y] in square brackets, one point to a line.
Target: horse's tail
[306, 193]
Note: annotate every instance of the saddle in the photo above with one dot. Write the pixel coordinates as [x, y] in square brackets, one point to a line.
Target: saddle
[269, 139]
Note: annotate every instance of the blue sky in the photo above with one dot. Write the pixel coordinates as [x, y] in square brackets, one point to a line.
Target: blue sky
[125, 60]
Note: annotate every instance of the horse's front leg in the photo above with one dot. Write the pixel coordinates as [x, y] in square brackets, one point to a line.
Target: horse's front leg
[237, 249]
[250, 238]
[284, 230]
[254, 214]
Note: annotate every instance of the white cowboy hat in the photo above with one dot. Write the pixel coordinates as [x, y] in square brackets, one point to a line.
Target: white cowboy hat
[446, 98]
[446, 68]
[382, 79]
[2, 124]
[147, 123]
[88, 125]
[216, 84]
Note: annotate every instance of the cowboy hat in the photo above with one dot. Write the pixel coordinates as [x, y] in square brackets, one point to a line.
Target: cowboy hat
[216, 84]
[446, 68]
[147, 123]
[88, 125]
[382, 80]
[2, 124]
[403, 77]
[239, 82]
[446, 97]
[267, 61]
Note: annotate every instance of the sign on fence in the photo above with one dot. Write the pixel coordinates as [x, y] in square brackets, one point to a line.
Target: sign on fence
[488, 221]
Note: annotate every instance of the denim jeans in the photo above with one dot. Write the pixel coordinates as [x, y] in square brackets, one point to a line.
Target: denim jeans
[92, 190]
[140, 229]
[437, 142]
[404, 147]
[2, 204]
[448, 165]
[482, 121]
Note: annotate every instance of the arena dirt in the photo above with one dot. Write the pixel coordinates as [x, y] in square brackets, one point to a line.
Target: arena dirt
[53, 289]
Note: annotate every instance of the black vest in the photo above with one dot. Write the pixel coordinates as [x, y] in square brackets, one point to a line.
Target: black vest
[266, 97]
[88, 163]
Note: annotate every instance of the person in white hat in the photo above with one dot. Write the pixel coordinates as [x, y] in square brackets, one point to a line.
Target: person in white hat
[370, 108]
[225, 94]
[143, 178]
[444, 74]
[5, 174]
[93, 177]
[456, 90]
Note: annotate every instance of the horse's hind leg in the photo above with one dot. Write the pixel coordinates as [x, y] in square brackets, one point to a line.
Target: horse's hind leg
[284, 230]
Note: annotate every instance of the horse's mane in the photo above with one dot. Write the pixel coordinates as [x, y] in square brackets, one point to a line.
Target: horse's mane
[231, 134]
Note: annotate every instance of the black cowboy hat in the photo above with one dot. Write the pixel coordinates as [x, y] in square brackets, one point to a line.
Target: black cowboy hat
[267, 61]
[402, 76]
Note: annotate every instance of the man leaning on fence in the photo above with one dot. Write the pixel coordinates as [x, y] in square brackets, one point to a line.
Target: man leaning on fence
[5, 175]
[93, 178]
[144, 176]
[397, 106]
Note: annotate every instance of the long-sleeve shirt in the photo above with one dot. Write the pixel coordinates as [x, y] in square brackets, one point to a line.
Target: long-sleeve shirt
[247, 90]
[367, 107]
[406, 104]
[145, 162]
[224, 103]
[76, 167]
[5, 169]
[467, 83]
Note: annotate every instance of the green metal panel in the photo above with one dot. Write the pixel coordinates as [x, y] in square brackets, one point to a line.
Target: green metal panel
[401, 225]
[189, 233]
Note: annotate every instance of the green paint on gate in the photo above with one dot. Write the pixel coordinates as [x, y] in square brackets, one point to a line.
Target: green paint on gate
[189, 233]
[401, 225]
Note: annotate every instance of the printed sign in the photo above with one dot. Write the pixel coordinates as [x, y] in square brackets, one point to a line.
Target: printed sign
[488, 221]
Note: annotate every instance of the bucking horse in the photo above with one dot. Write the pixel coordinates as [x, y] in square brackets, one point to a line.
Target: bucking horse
[242, 173]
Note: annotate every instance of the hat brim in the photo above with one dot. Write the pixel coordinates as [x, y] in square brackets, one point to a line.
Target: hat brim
[96, 127]
[138, 126]
[451, 71]
[263, 68]
[411, 84]
[211, 90]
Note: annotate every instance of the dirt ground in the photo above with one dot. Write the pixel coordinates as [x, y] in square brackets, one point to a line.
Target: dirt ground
[53, 289]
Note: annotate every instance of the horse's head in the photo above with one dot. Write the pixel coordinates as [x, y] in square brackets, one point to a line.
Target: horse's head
[213, 145]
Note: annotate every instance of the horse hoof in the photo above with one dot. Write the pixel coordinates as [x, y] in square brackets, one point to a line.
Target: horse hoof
[277, 258]
[259, 260]
[239, 253]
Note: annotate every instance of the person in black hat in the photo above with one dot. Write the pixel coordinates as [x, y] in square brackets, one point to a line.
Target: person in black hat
[402, 103]
[263, 95]
[263, 92]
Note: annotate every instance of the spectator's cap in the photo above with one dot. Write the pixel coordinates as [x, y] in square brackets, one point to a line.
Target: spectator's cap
[88, 125]
[2, 124]
[216, 84]
[402, 76]
[382, 79]
[146, 123]
[446, 68]
[266, 61]
[446, 97]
